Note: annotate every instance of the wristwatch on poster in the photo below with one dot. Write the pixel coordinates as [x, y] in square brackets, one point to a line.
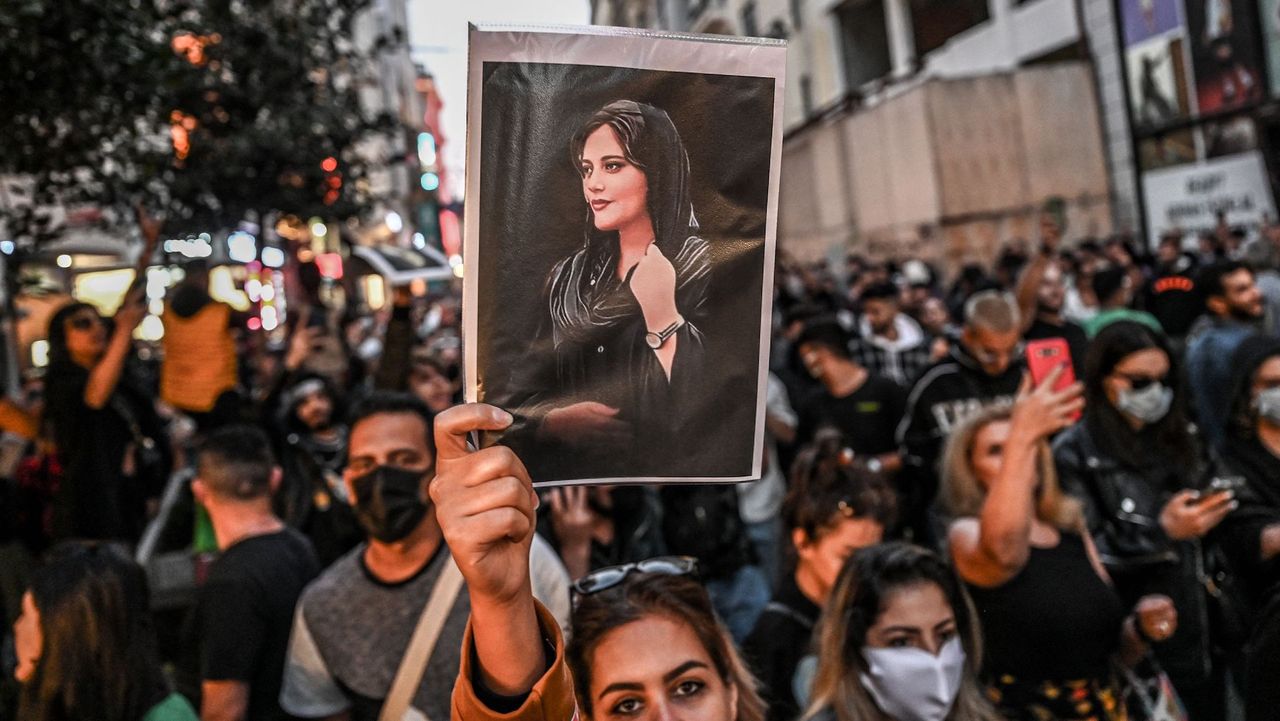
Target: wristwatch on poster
[656, 340]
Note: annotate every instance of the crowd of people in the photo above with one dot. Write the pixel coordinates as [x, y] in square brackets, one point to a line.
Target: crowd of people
[944, 529]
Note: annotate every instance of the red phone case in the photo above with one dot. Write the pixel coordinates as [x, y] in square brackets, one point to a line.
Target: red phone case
[1045, 355]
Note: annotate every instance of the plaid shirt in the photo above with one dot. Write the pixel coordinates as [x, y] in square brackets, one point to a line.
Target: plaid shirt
[902, 366]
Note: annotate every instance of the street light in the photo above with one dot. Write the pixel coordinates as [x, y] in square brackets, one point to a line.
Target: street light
[64, 261]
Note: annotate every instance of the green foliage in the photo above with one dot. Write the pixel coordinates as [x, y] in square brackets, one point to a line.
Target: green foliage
[93, 90]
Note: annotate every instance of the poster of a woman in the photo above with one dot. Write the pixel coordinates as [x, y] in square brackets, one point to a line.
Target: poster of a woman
[619, 239]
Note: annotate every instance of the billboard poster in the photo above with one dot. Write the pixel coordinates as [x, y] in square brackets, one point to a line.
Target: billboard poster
[1159, 92]
[621, 209]
[1188, 198]
[1224, 55]
[1269, 11]
[1145, 19]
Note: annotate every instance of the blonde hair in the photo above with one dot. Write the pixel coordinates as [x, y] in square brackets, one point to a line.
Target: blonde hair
[868, 579]
[964, 494]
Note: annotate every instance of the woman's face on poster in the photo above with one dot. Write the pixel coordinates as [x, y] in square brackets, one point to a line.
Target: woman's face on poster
[616, 189]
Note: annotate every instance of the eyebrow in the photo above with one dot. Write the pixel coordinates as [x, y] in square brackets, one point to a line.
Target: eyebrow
[682, 669]
[903, 629]
[670, 676]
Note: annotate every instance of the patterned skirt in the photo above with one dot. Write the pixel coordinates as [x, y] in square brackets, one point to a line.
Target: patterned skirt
[1075, 700]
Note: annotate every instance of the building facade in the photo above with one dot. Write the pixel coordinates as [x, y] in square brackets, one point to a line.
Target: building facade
[934, 128]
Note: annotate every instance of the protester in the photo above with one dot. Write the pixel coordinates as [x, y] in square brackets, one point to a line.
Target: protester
[983, 368]
[594, 527]
[1234, 312]
[1250, 535]
[889, 343]
[833, 509]
[85, 643]
[247, 601]
[1171, 295]
[109, 438]
[353, 623]
[898, 640]
[1136, 467]
[862, 406]
[1051, 621]
[1114, 289]
[1042, 294]
[198, 375]
[761, 501]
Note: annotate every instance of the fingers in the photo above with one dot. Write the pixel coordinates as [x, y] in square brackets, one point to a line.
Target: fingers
[599, 408]
[1051, 379]
[577, 497]
[1212, 518]
[1024, 388]
[491, 463]
[1216, 501]
[453, 425]
[1181, 499]
[556, 496]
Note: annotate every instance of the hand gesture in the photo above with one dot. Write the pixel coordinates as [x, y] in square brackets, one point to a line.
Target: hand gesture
[485, 505]
[301, 342]
[1156, 617]
[653, 283]
[586, 424]
[571, 516]
[1043, 411]
[131, 311]
[1189, 515]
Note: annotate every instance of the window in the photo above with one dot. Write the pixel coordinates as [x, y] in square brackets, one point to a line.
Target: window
[864, 40]
[934, 22]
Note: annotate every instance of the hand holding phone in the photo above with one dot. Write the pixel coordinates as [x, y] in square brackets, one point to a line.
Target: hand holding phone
[1043, 356]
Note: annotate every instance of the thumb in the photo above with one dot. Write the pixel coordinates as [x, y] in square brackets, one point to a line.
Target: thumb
[453, 425]
[1024, 387]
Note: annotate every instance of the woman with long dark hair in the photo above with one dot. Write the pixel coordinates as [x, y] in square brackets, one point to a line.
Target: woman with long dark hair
[85, 644]
[1136, 466]
[623, 309]
[898, 641]
[108, 435]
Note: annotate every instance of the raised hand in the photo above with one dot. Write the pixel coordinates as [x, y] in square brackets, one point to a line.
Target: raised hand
[1190, 515]
[131, 311]
[1043, 411]
[1156, 616]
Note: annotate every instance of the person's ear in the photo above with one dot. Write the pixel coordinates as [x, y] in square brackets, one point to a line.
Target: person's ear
[277, 478]
[1216, 304]
[733, 700]
[200, 491]
[802, 543]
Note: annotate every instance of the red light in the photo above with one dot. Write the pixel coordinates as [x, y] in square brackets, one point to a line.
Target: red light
[335, 182]
[450, 234]
[329, 164]
[255, 323]
[330, 265]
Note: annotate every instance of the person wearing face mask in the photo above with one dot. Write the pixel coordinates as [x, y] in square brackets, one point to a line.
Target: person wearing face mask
[832, 509]
[983, 368]
[353, 624]
[1136, 466]
[1021, 548]
[897, 641]
[1250, 535]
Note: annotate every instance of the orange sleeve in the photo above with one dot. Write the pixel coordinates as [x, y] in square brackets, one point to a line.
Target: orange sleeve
[551, 698]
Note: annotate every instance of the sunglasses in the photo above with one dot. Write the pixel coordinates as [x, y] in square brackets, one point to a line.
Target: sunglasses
[1139, 382]
[606, 578]
[85, 322]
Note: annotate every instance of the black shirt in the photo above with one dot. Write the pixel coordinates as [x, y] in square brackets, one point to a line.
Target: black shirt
[777, 644]
[865, 418]
[1077, 340]
[246, 613]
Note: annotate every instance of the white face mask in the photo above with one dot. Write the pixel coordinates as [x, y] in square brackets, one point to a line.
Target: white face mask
[1148, 405]
[910, 684]
[1268, 404]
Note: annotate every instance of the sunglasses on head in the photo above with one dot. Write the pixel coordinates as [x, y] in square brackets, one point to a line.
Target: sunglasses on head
[1139, 382]
[609, 577]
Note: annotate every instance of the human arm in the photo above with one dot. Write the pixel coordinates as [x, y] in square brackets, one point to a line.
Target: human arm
[17, 420]
[779, 419]
[105, 375]
[993, 548]
[1029, 287]
[572, 520]
[397, 345]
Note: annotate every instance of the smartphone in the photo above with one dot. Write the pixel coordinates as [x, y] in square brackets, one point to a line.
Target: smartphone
[1223, 484]
[1043, 356]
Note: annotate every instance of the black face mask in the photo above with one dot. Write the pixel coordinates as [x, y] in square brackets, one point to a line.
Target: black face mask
[388, 502]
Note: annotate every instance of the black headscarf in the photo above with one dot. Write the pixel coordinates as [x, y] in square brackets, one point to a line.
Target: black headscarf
[585, 297]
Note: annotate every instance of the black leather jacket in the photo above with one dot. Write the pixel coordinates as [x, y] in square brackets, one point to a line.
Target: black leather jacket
[1121, 507]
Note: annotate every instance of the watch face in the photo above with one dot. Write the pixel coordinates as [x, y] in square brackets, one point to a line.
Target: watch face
[652, 340]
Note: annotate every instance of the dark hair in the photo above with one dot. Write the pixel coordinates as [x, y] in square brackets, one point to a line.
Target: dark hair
[1107, 282]
[826, 332]
[678, 598]
[1210, 278]
[868, 579]
[236, 462]
[1248, 358]
[881, 291]
[389, 403]
[99, 657]
[650, 142]
[1171, 436]
[826, 486]
[57, 336]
